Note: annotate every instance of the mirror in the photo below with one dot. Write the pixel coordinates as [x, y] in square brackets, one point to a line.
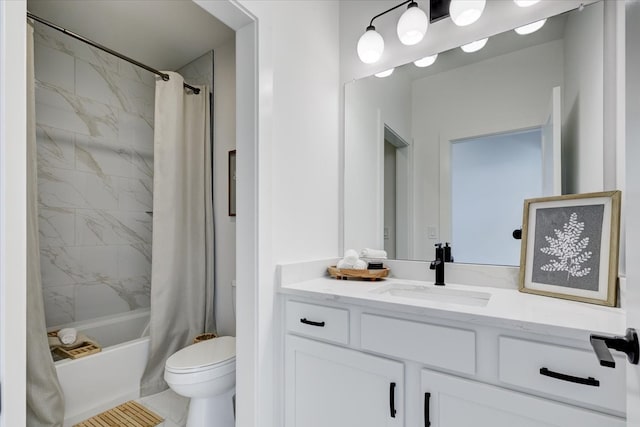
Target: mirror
[449, 152]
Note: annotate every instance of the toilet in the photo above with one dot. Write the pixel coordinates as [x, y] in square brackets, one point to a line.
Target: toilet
[206, 373]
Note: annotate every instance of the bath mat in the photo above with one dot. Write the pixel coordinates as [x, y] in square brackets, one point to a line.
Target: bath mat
[129, 414]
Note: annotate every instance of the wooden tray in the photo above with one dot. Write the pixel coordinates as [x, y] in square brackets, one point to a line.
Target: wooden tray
[347, 273]
[84, 349]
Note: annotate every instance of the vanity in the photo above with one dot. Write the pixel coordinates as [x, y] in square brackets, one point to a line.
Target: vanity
[476, 352]
[404, 353]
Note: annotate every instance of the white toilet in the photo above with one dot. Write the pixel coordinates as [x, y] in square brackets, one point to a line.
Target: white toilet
[206, 373]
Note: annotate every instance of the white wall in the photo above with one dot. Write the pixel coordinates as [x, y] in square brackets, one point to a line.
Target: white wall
[372, 103]
[505, 93]
[632, 196]
[13, 212]
[224, 110]
[582, 100]
[297, 176]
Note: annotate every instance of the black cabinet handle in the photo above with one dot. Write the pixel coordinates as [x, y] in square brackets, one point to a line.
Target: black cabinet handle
[427, 416]
[312, 323]
[564, 377]
[392, 399]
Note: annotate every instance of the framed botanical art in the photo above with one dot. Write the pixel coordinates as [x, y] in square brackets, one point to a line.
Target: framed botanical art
[570, 247]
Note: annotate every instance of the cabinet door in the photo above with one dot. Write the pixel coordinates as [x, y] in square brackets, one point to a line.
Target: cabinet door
[455, 402]
[329, 386]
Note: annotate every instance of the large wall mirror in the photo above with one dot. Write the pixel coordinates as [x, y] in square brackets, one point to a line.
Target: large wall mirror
[448, 152]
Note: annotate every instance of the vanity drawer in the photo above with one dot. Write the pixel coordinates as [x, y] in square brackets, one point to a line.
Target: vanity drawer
[440, 346]
[558, 371]
[318, 321]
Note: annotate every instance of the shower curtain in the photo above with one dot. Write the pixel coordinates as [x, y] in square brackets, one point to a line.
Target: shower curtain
[45, 402]
[182, 254]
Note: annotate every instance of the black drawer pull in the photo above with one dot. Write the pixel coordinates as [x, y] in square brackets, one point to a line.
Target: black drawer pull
[392, 399]
[427, 416]
[311, 322]
[564, 377]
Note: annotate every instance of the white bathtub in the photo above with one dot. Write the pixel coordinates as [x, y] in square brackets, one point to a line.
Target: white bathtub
[101, 381]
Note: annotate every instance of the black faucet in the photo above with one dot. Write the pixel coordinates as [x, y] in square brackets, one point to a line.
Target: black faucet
[438, 264]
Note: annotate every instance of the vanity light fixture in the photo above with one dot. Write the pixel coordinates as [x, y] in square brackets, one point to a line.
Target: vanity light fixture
[370, 46]
[385, 73]
[474, 46]
[466, 12]
[525, 3]
[426, 61]
[530, 28]
[412, 25]
[411, 29]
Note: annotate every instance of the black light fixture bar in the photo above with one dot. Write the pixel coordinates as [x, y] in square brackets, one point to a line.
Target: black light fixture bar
[438, 10]
[387, 11]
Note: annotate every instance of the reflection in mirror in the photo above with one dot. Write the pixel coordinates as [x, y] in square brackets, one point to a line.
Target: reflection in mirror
[482, 131]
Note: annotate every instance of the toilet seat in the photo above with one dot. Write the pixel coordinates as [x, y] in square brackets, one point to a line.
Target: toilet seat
[202, 356]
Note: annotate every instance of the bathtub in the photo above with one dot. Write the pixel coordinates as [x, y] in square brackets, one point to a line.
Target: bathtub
[101, 381]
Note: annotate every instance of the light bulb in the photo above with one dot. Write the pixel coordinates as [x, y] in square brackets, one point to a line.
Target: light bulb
[426, 61]
[370, 46]
[530, 28]
[466, 12]
[412, 25]
[474, 46]
[525, 3]
[385, 73]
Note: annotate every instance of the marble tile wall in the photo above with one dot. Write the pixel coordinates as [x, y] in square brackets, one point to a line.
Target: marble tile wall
[199, 71]
[94, 126]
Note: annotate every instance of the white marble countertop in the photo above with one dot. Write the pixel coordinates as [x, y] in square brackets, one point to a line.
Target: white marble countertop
[506, 308]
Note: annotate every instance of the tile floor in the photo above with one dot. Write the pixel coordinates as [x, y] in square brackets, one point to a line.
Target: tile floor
[170, 406]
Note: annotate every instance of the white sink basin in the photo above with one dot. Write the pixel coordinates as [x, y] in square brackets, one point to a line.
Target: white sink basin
[432, 293]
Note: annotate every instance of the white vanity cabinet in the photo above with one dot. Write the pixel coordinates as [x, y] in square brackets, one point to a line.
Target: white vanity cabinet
[330, 386]
[348, 365]
[449, 401]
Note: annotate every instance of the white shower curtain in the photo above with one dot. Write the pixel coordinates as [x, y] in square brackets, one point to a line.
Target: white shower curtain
[45, 402]
[182, 255]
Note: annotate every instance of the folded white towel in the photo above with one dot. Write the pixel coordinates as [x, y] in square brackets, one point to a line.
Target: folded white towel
[373, 253]
[67, 335]
[358, 265]
[350, 256]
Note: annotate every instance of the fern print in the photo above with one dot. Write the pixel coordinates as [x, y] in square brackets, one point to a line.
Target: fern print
[568, 249]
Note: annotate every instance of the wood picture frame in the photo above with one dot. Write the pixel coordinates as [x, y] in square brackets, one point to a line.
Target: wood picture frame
[570, 247]
[232, 183]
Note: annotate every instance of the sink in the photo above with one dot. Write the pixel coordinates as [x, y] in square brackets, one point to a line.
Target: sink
[431, 293]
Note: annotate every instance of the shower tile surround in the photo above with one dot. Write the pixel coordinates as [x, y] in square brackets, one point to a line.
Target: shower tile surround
[94, 126]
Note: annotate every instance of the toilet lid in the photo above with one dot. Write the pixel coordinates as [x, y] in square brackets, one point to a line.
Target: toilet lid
[205, 353]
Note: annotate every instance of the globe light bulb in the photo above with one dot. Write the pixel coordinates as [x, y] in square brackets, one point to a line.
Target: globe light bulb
[530, 28]
[466, 12]
[412, 25]
[426, 61]
[370, 46]
[385, 73]
[474, 46]
[525, 3]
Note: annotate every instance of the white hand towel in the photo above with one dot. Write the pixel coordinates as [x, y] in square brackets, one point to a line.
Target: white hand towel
[67, 335]
[350, 256]
[358, 265]
[373, 253]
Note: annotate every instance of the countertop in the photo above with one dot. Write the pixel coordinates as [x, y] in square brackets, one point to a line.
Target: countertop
[506, 308]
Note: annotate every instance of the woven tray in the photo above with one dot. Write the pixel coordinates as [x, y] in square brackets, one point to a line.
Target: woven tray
[347, 273]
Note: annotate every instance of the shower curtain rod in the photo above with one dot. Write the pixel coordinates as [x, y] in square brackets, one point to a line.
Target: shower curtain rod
[164, 76]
